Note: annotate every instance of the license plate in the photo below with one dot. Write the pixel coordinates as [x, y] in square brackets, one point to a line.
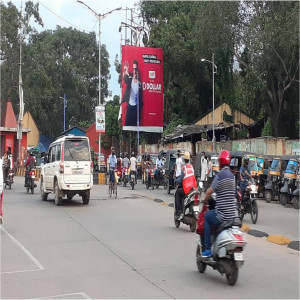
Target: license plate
[77, 172]
[196, 208]
[238, 256]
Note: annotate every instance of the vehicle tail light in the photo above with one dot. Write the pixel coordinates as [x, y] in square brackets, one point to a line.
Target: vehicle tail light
[61, 167]
[32, 173]
[239, 238]
[92, 167]
[196, 200]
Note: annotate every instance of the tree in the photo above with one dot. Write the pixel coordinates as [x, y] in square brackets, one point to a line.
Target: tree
[269, 31]
[112, 127]
[11, 35]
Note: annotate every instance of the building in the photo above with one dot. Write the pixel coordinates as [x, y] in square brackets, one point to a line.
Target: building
[33, 136]
[8, 132]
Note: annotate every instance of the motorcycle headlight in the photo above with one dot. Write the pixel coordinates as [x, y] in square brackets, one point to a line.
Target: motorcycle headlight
[253, 188]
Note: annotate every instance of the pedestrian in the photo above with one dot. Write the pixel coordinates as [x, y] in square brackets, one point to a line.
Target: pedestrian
[209, 172]
[178, 165]
[203, 176]
[1, 193]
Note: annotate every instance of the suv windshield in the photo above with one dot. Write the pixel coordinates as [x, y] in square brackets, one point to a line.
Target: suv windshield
[275, 166]
[76, 150]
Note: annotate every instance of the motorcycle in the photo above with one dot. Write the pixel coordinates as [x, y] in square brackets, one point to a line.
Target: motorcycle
[227, 251]
[161, 179]
[132, 179]
[119, 176]
[250, 205]
[150, 177]
[125, 176]
[30, 184]
[190, 211]
[9, 180]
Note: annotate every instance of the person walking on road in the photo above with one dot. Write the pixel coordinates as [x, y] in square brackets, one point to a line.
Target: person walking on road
[203, 176]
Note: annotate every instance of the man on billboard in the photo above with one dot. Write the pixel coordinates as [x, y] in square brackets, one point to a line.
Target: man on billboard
[133, 95]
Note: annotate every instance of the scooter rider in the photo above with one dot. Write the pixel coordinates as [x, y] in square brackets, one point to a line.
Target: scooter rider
[245, 175]
[224, 187]
[188, 181]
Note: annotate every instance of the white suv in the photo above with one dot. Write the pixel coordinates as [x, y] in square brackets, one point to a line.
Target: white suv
[68, 169]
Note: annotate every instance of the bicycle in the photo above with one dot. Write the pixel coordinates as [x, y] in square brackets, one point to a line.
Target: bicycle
[113, 185]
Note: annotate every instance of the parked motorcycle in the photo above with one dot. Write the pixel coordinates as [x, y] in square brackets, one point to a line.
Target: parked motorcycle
[125, 176]
[132, 179]
[30, 184]
[227, 251]
[250, 204]
[150, 177]
[9, 180]
[190, 211]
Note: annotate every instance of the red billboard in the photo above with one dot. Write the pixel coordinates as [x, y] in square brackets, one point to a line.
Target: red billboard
[142, 89]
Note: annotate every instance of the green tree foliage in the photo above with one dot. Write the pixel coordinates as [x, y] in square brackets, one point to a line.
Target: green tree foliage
[267, 130]
[55, 62]
[187, 32]
[11, 34]
[112, 127]
[268, 32]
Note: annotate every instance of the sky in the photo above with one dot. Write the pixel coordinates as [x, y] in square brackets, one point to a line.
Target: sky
[81, 17]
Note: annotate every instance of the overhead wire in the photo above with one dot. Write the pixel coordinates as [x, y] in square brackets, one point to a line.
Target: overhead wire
[65, 19]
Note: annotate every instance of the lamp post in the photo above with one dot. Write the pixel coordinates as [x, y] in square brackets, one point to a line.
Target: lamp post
[213, 76]
[65, 105]
[100, 17]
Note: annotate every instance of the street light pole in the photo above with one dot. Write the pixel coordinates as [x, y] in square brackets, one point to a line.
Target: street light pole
[99, 17]
[214, 70]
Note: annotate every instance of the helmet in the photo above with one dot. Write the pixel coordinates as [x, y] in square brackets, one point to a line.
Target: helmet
[224, 158]
[187, 155]
[246, 160]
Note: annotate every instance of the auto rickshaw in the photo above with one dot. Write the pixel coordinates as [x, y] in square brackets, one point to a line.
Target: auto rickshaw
[288, 181]
[237, 158]
[263, 164]
[170, 164]
[139, 166]
[275, 174]
[296, 192]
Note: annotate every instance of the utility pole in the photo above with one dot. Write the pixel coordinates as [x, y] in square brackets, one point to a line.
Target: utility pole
[100, 17]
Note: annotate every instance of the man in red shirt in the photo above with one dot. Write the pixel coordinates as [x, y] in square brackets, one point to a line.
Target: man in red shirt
[30, 163]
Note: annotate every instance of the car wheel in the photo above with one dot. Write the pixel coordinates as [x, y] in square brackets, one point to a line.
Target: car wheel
[57, 198]
[44, 195]
[86, 197]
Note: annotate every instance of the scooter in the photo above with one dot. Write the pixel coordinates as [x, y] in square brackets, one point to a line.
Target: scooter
[227, 251]
[190, 211]
[125, 176]
[30, 184]
[161, 180]
[9, 179]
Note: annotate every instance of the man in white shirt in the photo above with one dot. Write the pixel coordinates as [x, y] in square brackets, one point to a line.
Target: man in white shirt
[133, 165]
[178, 165]
[159, 164]
[204, 168]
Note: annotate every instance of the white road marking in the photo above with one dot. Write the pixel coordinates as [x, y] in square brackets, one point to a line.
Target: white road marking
[23, 271]
[84, 295]
[24, 249]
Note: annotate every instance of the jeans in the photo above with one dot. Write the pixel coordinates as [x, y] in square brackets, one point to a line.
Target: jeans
[210, 219]
[243, 186]
[112, 175]
[179, 196]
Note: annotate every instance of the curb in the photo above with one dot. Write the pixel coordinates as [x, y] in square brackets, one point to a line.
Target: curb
[276, 239]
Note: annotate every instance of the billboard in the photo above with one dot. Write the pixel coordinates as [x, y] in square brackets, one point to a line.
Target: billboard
[100, 119]
[142, 89]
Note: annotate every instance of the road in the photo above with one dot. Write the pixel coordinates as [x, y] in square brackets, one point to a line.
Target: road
[125, 248]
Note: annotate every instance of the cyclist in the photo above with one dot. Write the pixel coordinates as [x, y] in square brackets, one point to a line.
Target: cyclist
[112, 162]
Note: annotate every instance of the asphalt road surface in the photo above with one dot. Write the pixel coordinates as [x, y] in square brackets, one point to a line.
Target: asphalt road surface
[129, 248]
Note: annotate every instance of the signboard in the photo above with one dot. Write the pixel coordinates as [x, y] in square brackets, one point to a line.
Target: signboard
[100, 119]
[142, 89]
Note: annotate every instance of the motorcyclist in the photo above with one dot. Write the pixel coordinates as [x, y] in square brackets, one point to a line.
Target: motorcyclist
[245, 176]
[6, 163]
[188, 181]
[30, 164]
[158, 166]
[133, 165]
[224, 187]
[125, 164]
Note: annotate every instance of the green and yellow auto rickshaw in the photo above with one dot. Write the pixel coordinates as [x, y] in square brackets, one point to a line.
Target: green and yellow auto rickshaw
[275, 175]
[288, 181]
